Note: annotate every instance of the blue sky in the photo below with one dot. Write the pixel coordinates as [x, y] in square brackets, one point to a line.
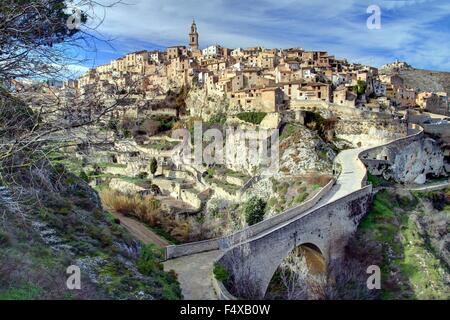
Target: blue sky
[417, 31]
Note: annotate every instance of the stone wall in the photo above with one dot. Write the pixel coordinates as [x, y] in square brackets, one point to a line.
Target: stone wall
[125, 186]
[191, 197]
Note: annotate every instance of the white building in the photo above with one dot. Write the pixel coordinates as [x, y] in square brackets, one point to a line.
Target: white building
[238, 52]
[212, 51]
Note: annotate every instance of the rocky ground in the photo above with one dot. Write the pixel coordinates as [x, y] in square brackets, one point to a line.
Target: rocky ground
[423, 80]
[303, 151]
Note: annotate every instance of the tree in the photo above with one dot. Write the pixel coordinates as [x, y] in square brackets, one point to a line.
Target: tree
[254, 210]
[360, 87]
[153, 166]
[37, 41]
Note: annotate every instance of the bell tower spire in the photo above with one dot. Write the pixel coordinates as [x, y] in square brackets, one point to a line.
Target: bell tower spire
[193, 36]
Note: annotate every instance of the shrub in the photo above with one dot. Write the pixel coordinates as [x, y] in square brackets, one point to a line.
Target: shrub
[148, 262]
[251, 117]
[166, 122]
[320, 180]
[84, 176]
[113, 124]
[148, 210]
[301, 197]
[439, 200]
[153, 166]
[145, 208]
[220, 272]
[59, 204]
[5, 239]
[142, 175]
[211, 173]
[254, 210]
[219, 118]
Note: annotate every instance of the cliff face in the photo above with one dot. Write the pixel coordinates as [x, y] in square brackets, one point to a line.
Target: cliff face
[423, 80]
[416, 161]
[407, 161]
[204, 104]
[362, 132]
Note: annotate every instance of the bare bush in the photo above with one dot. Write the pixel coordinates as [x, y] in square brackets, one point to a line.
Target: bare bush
[146, 209]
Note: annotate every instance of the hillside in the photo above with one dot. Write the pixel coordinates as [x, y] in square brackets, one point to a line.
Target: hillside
[406, 235]
[52, 219]
[422, 80]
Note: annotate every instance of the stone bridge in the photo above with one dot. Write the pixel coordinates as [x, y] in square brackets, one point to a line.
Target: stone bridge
[325, 223]
[325, 229]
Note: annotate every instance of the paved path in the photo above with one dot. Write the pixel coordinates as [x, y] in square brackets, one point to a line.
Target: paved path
[194, 271]
[352, 174]
[194, 274]
[140, 231]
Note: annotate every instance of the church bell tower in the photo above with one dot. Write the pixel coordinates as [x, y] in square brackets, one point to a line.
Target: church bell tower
[193, 36]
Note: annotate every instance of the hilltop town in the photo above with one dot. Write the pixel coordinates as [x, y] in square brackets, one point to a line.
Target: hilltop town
[256, 79]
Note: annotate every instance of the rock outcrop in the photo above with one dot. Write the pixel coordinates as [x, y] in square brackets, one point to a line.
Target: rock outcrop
[407, 161]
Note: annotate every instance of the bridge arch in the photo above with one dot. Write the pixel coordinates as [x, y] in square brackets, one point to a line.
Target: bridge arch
[304, 266]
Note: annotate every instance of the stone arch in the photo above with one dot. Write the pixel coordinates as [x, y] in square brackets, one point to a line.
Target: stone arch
[315, 259]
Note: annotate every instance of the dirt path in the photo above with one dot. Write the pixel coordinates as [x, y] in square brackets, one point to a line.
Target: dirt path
[140, 231]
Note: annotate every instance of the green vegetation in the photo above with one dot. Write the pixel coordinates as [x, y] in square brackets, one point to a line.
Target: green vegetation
[153, 166]
[73, 219]
[360, 87]
[376, 181]
[166, 123]
[288, 130]
[218, 118]
[221, 273]
[409, 238]
[254, 210]
[251, 117]
[27, 291]
[162, 145]
[236, 174]
[221, 183]
[324, 127]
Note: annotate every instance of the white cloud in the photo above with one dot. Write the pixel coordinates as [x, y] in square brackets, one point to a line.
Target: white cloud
[336, 26]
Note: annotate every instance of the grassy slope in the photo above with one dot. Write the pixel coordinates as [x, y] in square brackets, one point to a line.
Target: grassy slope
[412, 268]
[76, 231]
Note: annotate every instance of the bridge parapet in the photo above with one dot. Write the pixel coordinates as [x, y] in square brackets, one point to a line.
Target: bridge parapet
[223, 243]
